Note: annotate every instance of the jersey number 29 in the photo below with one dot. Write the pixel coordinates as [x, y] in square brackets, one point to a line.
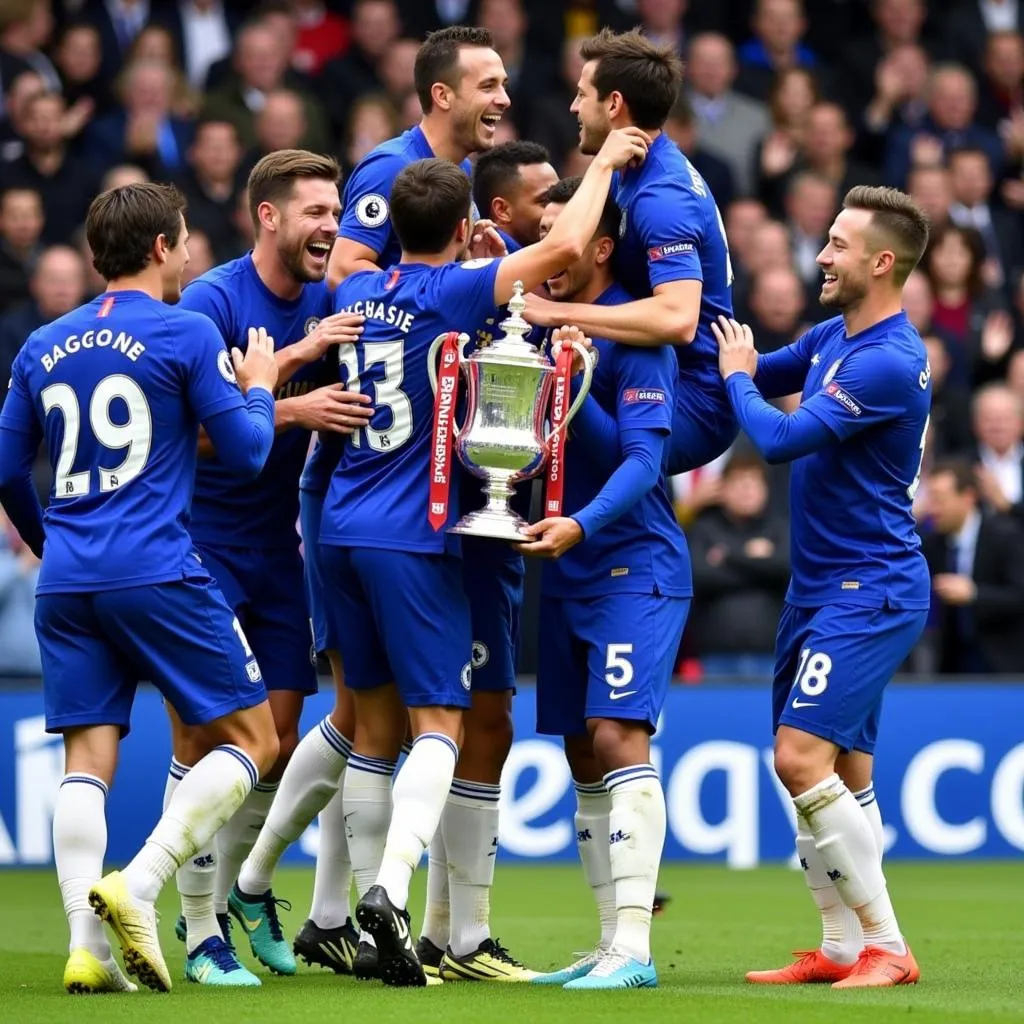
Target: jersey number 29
[135, 434]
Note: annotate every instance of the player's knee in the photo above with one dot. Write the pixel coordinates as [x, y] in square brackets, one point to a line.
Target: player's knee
[619, 744]
[287, 741]
[801, 766]
[583, 764]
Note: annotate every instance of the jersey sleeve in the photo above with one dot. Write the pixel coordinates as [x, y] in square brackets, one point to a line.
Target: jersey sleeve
[20, 436]
[670, 221]
[366, 217]
[210, 374]
[645, 379]
[784, 371]
[871, 386]
[19, 411]
[467, 289]
[213, 303]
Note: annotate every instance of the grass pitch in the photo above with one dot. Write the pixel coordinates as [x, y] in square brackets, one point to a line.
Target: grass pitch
[965, 922]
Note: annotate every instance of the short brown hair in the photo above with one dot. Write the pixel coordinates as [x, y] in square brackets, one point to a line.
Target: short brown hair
[438, 58]
[428, 199]
[895, 215]
[124, 223]
[647, 75]
[565, 188]
[273, 178]
[975, 244]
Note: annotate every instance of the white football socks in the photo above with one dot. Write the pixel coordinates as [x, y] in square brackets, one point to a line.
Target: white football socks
[332, 883]
[206, 797]
[237, 838]
[636, 827]
[593, 807]
[366, 794]
[420, 791]
[308, 783]
[194, 879]
[469, 824]
[437, 912]
[869, 805]
[79, 843]
[851, 857]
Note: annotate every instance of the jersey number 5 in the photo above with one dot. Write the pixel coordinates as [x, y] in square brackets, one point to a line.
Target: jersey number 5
[388, 392]
[135, 434]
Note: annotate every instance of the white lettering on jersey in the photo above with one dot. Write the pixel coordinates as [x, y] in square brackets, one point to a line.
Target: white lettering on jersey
[120, 342]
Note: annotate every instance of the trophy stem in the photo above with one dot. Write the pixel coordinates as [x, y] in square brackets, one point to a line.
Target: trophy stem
[495, 520]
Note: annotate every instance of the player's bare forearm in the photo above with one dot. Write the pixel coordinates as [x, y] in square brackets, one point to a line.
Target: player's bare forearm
[646, 323]
[293, 358]
[206, 449]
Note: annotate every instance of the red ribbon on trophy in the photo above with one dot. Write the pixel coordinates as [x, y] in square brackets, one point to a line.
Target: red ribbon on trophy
[444, 430]
[560, 399]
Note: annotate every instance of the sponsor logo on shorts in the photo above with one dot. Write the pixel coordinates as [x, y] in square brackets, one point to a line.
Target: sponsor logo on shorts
[660, 252]
[252, 670]
[843, 398]
[466, 675]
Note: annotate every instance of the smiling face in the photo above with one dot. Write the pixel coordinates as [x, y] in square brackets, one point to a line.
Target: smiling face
[480, 100]
[846, 260]
[591, 112]
[526, 201]
[307, 225]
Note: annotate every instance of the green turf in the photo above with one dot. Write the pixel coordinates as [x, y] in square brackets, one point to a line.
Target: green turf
[964, 921]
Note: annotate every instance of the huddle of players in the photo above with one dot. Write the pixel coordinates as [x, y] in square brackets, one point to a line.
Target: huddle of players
[416, 627]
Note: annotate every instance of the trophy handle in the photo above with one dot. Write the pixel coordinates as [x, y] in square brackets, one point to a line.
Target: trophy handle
[432, 357]
[589, 361]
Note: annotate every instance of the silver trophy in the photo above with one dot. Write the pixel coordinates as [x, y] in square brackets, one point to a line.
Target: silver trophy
[503, 438]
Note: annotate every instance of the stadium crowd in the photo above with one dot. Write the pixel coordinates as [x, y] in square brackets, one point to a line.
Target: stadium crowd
[784, 107]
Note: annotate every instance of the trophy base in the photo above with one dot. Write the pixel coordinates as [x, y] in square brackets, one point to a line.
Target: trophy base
[496, 526]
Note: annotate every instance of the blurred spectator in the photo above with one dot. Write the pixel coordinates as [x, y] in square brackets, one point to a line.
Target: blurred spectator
[662, 22]
[730, 124]
[742, 218]
[1001, 90]
[375, 26]
[794, 92]
[681, 128]
[322, 35]
[919, 302]
[157, 43]
[999, 428]
[1015, 374]
[968, 24]
[769, 247]
[121, 175]
[211, 183]
[777, 303]
[931, 187]
[242, 220]
[21, 225]
[968, 313]
[410, 111]
[972, 183]
[23, 88]
[977, 566]
[78, 63]
[65, 183]
[777, 46]
[552, 124]
[281, 124]
[740, 558]
[94, 283]
[19, 571]
[118, 23]
[950, 124]
[56, 288]
[510, 182]
[811, 204]
[373, 120]
[397, 68]
[146, 131]
[200, 256]
[900, 100]
[25, 30]
[260, 67]
[202, 30]
[950, 422]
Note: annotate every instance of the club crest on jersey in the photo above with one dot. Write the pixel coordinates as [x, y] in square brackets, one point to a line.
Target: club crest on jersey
[311, 324]
[466, 675]
[481, 655]
[372, 210]
[832, 371]
[633, 395]
[843, 398]
[660, 252]
[623, 223]
[226, 367]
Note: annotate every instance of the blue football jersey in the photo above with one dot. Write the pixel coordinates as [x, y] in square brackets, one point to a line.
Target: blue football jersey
[644, 550]
[379, 493]
[366, 202]
[262, 512]
[117, 389]
[316, 474]
[672, 230]
[854, 539]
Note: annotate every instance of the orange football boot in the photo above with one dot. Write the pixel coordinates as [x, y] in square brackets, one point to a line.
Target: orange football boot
[811, 967]
[881, 968]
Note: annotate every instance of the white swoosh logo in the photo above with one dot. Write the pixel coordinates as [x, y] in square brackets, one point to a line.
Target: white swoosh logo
[616, 694]
[803, 704]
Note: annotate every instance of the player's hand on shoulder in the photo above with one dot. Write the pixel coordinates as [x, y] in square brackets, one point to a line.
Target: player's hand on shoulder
[257, 368]
[736, 352]
[334, 408]
[551, 538]
[570, 335]
[485, 242]
[336, 329]
[624, 147]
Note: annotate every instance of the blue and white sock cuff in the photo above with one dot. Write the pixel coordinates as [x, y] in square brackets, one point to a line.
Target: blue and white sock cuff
[865, 797]
[334, 738]
[245, 760]
[372, 765]
[632, 773]
[177, 770]
[439, 737]
[85, 780]
[407, 747]
[484, 791]
[590, 788]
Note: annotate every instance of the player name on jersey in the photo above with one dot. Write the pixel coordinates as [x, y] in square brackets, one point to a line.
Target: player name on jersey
[394, 316]
[117, 341]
